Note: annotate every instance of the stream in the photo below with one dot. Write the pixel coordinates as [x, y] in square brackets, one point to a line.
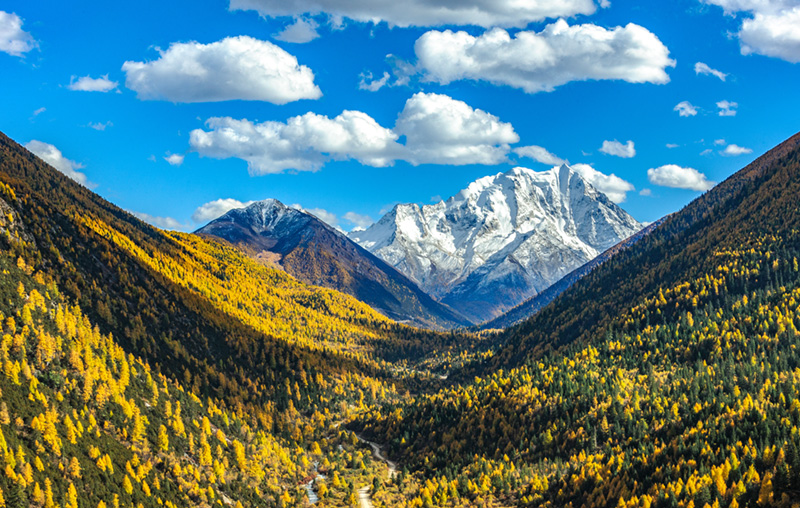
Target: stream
[309, 486]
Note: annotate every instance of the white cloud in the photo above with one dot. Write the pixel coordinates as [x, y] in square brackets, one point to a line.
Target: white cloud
[537, 62]
[324, 215]
[100, 126]
[39, 111]
[773, 34]
[509, 13]
[707, 151]
[252, 70]
[727, 108]
[358, 220]
[617, 149]
[53, 156]
[303, 143]
[701, 68]
[645, 192]
[368, 82]
[719, 142]
[442, 130]
[539, 154]
[611, 185]
[770, 27]
[160, 222]
[217, 208]
[672, 145]
[731, 7]
[301, 31]
[733, 150]
[685, 108]
[437, 128]
[90, 84]
[13, 39]
[671, 175]
[174, 159]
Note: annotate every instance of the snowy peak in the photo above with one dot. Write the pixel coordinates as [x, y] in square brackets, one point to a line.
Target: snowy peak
[316, 253]
[265, 216]
[506, 236]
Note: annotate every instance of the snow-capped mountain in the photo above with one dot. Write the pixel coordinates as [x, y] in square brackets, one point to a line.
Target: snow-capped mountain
[314, 252]
[501, 240]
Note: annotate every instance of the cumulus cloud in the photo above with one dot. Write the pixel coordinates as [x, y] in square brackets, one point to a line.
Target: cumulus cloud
[685, 108]
[611, 185]
[301, 31]
[13, 39]
[252, 69]
[174, 159]
[303, 143]
[701, 68]
[645, 192]
[769, 27]
[773, 34]
[442, 130]
[217, 208]
[672, 175]
[368, 82]
[53, 156]
[539, 154]
[719, 142]
[617, 149]
[537, 62]
[727, 108]
[437, 128]
[90, 84]
[159, 222]
[358, 220]
[508, 13]
[325, 216]
[733, 150]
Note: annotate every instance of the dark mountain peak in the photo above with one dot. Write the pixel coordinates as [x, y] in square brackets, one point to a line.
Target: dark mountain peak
[316, 253]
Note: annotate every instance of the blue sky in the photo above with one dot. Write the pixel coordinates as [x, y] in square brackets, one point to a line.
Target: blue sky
[249, 110]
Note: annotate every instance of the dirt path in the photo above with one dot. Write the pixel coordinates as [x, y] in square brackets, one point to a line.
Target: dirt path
[363, 493]
[363, 498]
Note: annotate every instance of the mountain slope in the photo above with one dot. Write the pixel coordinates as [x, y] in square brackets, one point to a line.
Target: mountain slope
[668, 376]
[315, 253]
[761, 196]
[194, 309]
[501, 240]
[533, 305]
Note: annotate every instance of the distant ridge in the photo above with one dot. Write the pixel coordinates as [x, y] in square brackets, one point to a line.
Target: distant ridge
[315, 253]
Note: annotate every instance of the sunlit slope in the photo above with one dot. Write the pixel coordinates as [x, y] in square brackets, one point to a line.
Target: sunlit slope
[200, 311]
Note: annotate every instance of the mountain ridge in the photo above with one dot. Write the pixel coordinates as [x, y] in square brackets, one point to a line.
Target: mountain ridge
[314, 252]
[502, 239]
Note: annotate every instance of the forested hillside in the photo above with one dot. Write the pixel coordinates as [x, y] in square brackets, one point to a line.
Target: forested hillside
[762, 197]
[669, 376]
[111, 326]
[145, 368]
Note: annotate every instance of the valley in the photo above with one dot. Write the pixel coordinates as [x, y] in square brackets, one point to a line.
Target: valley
[152, 368]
